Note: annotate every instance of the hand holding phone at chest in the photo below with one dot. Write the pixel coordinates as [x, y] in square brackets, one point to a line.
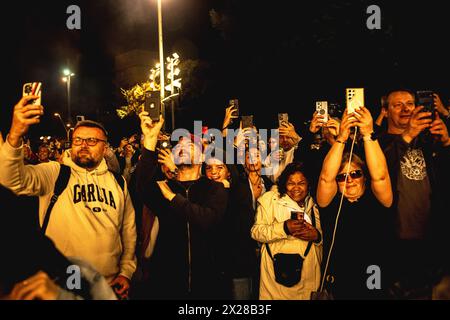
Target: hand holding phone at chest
[425, 98]
[295, 223]
[299, 228]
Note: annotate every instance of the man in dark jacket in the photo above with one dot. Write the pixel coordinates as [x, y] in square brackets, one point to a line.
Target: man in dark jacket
[188, 208]
[417, 149]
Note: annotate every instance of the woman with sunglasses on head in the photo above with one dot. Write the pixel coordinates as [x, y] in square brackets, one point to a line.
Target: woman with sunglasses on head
[363, 226]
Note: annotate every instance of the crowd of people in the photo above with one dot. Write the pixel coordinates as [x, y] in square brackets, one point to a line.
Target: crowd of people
[348, 207]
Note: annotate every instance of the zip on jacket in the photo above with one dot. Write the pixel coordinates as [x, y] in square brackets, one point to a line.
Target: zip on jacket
[186, 192]
[189, 247]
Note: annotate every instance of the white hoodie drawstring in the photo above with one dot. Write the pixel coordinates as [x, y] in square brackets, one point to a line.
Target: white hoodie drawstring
[96, 182]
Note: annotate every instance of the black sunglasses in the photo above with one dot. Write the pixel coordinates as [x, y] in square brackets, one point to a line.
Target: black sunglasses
[355, 174]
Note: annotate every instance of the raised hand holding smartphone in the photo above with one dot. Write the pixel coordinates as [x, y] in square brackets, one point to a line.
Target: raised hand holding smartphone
[25, 114]
[33, 89]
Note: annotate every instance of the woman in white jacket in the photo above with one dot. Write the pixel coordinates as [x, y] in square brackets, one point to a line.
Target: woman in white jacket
[287, 220]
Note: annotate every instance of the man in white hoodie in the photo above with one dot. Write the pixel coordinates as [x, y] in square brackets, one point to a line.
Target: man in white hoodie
[93, 219]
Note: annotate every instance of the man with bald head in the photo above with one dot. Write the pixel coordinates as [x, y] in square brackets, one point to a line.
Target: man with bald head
[417, 149]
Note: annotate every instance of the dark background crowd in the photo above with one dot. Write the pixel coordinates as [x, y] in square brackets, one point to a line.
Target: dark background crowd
[273, 57]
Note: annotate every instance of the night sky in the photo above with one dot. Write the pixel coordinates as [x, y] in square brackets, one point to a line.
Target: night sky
[275, 56]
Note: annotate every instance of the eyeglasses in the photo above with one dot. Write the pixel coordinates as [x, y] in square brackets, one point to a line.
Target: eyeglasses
[89, 141]
[355, 174]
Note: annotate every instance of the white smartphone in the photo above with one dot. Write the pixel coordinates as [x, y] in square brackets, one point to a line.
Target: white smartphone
[354, 99]
[322, 109]
[33, 89]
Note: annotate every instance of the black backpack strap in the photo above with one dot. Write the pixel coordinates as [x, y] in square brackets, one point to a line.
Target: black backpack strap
[60, 185]
[120, 180]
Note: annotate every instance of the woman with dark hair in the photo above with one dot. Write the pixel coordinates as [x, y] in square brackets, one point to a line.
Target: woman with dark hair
[354, 201]
[238, 252]
[215, 169]
[287, 222]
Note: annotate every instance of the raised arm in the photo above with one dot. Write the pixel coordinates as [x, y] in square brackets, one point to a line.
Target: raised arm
[439, 106]
[375, 159]
[24, 180]
[148, 164]
[230, 114]
[381, 116]
[327, 187]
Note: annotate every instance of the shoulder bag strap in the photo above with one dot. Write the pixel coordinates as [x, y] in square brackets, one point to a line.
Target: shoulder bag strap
[313, 218]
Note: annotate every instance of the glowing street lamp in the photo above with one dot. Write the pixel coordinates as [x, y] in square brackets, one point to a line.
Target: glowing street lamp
[64, 125]
[174, 84]
[59, 116]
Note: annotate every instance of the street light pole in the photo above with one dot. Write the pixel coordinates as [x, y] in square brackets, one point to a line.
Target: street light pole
[172, 90]
[67, 79]
[68, 100]
[161, 58]
[64, 126]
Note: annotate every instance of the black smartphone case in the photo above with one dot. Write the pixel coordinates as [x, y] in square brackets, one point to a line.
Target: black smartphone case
[247, 121]
[153, 107]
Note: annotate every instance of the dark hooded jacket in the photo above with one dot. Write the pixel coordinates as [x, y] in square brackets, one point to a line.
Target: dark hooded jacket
[185, 262]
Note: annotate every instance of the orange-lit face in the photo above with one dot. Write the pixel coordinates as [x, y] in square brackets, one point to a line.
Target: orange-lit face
[355, 186]
[43, 154]
[297, 187]
[85, 156]
[216, 170]
[400, 107]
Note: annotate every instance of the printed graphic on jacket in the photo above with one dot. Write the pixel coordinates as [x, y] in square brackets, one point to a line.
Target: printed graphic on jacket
[413, 165]
[92, 193]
